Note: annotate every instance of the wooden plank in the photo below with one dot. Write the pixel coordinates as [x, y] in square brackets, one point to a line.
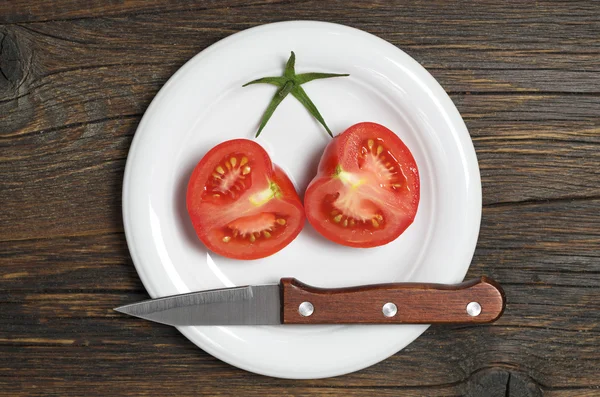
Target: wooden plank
[57, 179]
[496, 108]
[68, 264]
[169, 386]
[379, 13]
[20, 11]
[528, 160]
[575, 392]
[518, 81]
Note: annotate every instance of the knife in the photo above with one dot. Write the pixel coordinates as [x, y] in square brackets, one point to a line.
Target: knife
[293, 302]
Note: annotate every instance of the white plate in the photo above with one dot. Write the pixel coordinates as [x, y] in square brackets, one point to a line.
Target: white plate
[204, 104]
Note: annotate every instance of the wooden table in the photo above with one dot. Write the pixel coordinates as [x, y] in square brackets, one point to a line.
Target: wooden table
[74, 82]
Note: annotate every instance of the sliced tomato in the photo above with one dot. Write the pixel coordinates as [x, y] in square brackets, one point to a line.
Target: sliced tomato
[243, 206]
[366, 191]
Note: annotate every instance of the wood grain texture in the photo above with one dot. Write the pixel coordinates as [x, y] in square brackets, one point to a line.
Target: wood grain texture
[74, 82]
[416, 303]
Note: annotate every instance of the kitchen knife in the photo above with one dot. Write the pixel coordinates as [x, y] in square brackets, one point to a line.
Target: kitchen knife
[292, 302]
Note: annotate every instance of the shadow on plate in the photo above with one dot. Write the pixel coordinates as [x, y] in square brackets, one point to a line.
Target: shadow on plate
[182, 218]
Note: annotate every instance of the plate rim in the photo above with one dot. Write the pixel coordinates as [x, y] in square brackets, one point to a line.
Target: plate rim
[192, 333]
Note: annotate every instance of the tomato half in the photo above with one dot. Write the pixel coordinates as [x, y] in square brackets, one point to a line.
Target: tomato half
[366, 191]
[243, 206]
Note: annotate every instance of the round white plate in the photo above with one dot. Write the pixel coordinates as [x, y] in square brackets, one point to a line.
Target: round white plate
[204, 104]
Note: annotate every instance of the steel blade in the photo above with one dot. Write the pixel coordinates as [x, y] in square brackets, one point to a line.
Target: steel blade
[249, 305]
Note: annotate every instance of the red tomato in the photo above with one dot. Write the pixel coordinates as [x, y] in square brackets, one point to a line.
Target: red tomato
[366, 191]
[242, 205]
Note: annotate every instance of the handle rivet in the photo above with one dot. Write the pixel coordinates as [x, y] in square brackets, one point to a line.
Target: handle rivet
[389, 309]
[306, 309]
[474, 309]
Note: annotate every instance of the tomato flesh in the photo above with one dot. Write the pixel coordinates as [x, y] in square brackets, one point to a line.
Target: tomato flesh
[231, 177]
[243, 206]
[366, 191]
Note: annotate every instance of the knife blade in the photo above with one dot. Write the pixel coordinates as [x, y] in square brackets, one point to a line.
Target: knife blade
[293, 302]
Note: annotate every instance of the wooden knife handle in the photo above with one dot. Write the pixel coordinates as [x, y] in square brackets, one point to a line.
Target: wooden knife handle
[476, 301]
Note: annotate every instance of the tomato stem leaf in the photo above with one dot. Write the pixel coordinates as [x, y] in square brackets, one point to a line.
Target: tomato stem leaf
[299, 93]
[277, 99]
[290, 82]
[277, 81]
[306, 77]
[290, 71]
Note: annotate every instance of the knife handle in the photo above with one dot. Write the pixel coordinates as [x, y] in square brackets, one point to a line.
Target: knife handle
[476, 301]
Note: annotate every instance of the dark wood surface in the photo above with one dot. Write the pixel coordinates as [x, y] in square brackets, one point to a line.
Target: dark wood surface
[77, 76]
[416, 303]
